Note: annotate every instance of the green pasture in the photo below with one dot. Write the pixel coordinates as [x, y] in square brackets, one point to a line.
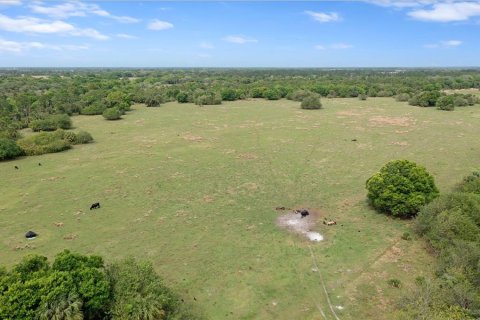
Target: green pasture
[193, 190]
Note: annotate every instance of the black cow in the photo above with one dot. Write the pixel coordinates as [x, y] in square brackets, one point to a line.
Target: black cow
[31, 235]
[16, 167]
[39, 164]
[304, 213]
[96, 205]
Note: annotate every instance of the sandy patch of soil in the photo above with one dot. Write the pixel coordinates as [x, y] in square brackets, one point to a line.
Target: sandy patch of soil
[191, 137]
[381, 121]
[294, 222]
[400, 143]
[348, 113]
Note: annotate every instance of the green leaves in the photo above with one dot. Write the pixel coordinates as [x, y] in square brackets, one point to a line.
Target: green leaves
[401, 188]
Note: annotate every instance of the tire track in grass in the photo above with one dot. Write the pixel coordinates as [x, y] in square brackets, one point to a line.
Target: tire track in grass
[314, 259]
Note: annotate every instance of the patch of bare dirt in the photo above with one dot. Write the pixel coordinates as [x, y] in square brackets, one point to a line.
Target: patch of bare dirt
[381, 121]
[247, 156]
[348, 113]
[193, 138]
[295, 222]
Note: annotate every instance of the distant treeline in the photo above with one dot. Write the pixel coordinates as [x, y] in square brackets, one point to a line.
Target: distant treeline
[30, 97]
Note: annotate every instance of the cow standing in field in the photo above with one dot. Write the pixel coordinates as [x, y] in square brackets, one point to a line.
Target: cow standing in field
[96, 205]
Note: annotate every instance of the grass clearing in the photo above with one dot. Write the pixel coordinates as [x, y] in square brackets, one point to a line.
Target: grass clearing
[194, 190]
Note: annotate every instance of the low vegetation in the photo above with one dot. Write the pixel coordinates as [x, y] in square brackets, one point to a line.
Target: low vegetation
[51, 142]
[52, 123]
[311, 102]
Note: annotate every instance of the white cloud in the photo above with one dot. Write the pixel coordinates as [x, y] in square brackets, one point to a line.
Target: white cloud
[335, 46]
[447, 12]
[91, 33]
[239, 39]
[323, 17]
[399, 4]
[20, 47]
[10, 2]
[125, 36]
[159, 25]
[76, 9]
[444, 44]
[35, 25]
[206, 45]
[341, 46]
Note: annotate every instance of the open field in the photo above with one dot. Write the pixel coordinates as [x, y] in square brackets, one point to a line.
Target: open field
[194, 190]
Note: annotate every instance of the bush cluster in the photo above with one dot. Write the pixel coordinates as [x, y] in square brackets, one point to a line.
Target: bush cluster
[451, 224]
[208, 98]
[50, 142]
[75, 286]
[52, 123]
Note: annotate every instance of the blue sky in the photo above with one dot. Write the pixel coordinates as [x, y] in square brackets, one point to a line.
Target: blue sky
[369, 33]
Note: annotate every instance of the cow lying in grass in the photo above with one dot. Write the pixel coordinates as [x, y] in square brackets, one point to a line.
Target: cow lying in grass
[330, 223]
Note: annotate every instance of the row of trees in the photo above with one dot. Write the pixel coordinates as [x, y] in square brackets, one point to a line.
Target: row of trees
[75, 287]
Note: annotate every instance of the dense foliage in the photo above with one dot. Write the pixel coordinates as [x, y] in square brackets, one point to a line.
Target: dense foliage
[50, 142]
[75, 286]
[51, 123]
[9, 149]
[451, 224]
[401, 188]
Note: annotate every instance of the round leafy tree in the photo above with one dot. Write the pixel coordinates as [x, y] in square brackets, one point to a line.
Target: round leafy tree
[401, 188]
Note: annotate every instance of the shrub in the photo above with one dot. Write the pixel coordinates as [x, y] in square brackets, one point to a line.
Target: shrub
[229, 94]
[51, 123]
[311, 102]
[182, 97]
[272, 94]
[70, 137]
[406, 236]
[467, 203]
[83, 137]
[112, 114]
[470, 184]
[208, 98]
[362, 96]
[394, 283]
[299, 95]
[94, 109]
[45, 142]
[425, 98]
[402, 97]
[9, 149]
[446, 103]
[401, 188]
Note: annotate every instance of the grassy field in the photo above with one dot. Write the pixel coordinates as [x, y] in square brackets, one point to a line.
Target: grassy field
[194, 190]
